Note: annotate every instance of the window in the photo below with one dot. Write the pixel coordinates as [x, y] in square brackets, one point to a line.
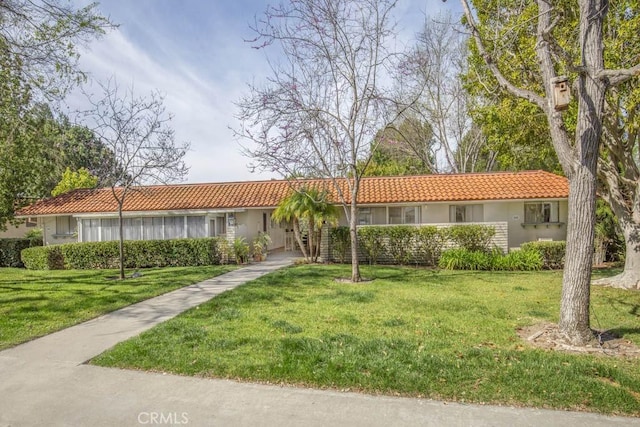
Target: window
[132, 228]
[404, 215]
[31, 222]
[152, 228]
[90, 230]
[537, 213]
[65, 225]
[174, 227]
[221, 226]
[364, 216]
[110, 229]
[195, 226]
[466, 213]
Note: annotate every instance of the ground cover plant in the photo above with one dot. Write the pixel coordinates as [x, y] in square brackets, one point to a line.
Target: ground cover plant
[35, 303]
[416, 332]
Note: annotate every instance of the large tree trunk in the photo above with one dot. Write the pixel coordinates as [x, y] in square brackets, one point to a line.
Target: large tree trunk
[574, 304]
[630, 276]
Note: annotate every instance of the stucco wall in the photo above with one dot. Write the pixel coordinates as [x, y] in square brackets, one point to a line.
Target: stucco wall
[50, 236]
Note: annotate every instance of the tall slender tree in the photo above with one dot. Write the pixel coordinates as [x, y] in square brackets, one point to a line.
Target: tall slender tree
[136, 129]
[326, 97]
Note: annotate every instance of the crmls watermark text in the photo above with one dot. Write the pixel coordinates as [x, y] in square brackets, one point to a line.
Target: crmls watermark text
[158, 418]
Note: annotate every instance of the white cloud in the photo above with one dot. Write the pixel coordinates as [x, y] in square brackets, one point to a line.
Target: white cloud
[203, 109]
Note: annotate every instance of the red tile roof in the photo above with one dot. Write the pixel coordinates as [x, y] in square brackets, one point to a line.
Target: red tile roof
[266, 194]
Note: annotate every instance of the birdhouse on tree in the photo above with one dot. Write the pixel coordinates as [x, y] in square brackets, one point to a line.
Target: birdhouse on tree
[561, 92]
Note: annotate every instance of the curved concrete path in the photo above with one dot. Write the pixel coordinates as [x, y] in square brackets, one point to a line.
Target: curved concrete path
[45, 382]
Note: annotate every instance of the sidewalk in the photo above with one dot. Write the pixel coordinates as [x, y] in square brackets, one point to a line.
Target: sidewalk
[45, 382]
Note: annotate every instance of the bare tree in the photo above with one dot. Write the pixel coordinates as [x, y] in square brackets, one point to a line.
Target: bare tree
[322, 105]
[440, 62]
[137, 130]
[579, 157]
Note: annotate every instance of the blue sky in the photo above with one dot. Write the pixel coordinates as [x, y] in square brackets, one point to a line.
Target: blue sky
[193, 52]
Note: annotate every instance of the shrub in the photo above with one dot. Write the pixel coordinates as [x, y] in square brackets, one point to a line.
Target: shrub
[372, 242]
[240, 250]
[552, 253]
[43, 258]
[10, 250]
[464, 259]
[471, 237]
[137, 254]
[399, 243]
[522, 260]
[340, 242]
[429, 244]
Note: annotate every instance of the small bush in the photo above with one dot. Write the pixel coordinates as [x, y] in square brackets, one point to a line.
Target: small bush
[399, 243]
[372, 242]
[43, 258]
[10, 250]
[522, 260]
[240, 250]
[429, 244]
[464, 259]
[471, 237]
[552, 253]
[340, 242]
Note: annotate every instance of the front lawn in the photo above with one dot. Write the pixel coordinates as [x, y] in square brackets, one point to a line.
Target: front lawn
[36, 303]
[412, 332]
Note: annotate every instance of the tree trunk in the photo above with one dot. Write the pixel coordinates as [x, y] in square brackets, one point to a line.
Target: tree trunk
[574, 304]
[630, 276]
[121, 242]
[298, 236]
[353, 232]
[310, 239]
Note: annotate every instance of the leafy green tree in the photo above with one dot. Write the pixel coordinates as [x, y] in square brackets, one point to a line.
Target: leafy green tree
[38, 62]
[72, 180]
[45, 36]
[525, 47]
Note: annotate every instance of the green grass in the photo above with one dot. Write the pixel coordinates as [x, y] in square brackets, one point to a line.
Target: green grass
[36, 303]
[412, 332]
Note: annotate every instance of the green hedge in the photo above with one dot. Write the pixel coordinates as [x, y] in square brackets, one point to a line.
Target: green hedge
[405, 244]
[137, 254]
[10, 250]
[552, 253]
[464, 259]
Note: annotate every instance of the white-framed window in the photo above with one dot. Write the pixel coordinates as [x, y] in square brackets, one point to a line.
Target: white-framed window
[404, 215]
[466, 213]
[65, 225]
[541, 212]
[195, 226]
[364, 216]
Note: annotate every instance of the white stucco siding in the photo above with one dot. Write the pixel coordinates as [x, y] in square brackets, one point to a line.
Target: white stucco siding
[51, 237]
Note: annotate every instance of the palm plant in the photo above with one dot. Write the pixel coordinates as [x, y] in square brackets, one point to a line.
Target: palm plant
[307, 208]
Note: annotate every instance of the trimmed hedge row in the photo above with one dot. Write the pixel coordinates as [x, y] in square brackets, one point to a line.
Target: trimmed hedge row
[137, 254]
[552, 253]
[404, 244]
[10, 250]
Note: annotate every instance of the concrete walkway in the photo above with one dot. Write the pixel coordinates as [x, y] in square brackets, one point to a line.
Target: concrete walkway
[45, 382]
